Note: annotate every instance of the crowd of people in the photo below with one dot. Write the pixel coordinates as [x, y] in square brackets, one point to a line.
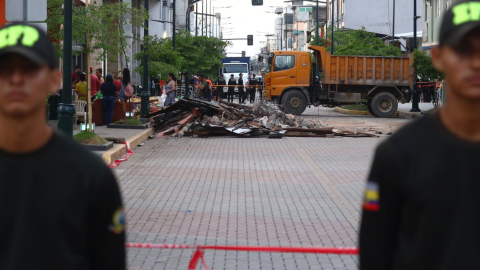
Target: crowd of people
[203, 88]
[107, 89]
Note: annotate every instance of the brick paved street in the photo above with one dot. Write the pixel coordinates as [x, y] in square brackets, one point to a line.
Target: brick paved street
[246, 191]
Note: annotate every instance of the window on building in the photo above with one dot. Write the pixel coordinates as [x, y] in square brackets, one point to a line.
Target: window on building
[438, 8]
[284, 62]
[306, 9]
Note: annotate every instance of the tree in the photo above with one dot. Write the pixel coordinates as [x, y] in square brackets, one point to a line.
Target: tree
[105, 25]
[424, 67]
[162, 59]
[357, 42]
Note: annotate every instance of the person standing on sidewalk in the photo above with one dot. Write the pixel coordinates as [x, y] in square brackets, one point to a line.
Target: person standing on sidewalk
[421, 203]
[252, 83]
[109, 92]
[57, 213]
[125, 80]
[170, 90]
[241, 90]
[219, 89]
[231, 88]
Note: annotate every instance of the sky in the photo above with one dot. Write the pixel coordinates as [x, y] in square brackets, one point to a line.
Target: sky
[246, 19]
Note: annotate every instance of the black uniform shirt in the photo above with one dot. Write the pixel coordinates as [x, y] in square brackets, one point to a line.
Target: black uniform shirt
[253, 83]
[422, 202]
[240, 83]
[61, 209]
[232, 82]
[221, 82]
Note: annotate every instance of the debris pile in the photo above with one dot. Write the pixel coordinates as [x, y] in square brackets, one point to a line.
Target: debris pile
[189, 117]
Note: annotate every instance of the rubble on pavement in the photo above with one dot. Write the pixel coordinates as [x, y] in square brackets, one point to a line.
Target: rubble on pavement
[191, 117]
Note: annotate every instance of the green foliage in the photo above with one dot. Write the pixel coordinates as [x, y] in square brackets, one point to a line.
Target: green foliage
[131, 121]
[91, 138]
[199, 54]
[424, 67]
[162, 59]
[105, 26]
[357, 42]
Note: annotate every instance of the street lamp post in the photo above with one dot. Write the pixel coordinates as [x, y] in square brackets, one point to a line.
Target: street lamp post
[393, 27]
[145, 94]
[333, 30]
[66, 110]
[415, 97]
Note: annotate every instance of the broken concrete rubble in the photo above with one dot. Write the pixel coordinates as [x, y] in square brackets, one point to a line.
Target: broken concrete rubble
[189, 117]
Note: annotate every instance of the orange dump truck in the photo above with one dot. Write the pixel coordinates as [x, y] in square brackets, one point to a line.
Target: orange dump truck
[291, 80]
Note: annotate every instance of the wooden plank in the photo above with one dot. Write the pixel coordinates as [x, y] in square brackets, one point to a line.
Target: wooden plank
[382, 75]
[400, 72]
[364, 70]
[337, 70]
[347, 68]
[373, 71]
[355, 70]
[392, 71]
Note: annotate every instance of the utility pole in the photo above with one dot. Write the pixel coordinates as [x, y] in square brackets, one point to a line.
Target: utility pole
[196, 19]
[203, 20]
[415, 98]
[316, 30]
[66, 110]
[145, 94]
[393, 28]
[333, 30]
[174, 25]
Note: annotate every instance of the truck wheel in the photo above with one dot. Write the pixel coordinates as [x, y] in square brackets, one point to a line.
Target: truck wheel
[384, 104]
[369, 107]
[294, 102]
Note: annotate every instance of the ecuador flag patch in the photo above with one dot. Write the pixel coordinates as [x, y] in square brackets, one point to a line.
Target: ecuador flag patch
[371, 197]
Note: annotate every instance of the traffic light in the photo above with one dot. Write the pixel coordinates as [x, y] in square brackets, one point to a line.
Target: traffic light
[250, 40]
[257, 2]
[243, 53]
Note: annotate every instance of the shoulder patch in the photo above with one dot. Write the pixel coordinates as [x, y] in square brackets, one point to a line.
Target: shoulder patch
[118, 221]
[371, 197]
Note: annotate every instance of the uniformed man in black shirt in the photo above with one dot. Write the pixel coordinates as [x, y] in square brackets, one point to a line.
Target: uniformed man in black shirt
[219, 89]
[421, 204]
[60, 204]
[241, 91]
[252, 83]
[231, 88]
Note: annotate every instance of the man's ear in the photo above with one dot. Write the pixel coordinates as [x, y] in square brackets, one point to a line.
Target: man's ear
[437, 59]
[55, 79]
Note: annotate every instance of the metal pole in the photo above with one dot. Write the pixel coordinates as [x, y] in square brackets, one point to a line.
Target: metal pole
[196, 19]
[333, 30]
[203, 20]
[25, 11]
[316, 30]
[145, 94]
[89, 79]
[281, 34]
[393, 28]
[174, 25]
[211, 19]
[415, 96]
[66, 110]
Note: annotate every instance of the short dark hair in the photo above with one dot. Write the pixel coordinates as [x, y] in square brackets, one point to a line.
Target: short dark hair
[100, 70]
[201, 75]
[77, 66]
[82, 77]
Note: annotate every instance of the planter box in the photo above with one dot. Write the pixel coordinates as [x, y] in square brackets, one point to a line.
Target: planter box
[144, 126]
[103, 147]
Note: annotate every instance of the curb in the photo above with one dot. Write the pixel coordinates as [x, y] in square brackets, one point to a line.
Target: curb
[353, 112]
[120, 150]
[409, 114]
[345, 111]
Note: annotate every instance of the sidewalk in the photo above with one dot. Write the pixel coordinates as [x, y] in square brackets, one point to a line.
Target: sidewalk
[133, 136]
[404, 109]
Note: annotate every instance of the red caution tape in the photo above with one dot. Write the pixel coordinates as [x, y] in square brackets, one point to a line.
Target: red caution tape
[200, 250]
[124, 158]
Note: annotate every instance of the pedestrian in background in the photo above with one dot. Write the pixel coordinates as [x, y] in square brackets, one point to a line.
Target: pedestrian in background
[99, 72]
[202, 86]
[421, 202]
[109, 92]
[231, 88]
[219, 89]
[252, 83]
[241, 91]
[125, 80]
[61, 205]
[81, 88]
[208, 93]
[94, 86]
[170, 90]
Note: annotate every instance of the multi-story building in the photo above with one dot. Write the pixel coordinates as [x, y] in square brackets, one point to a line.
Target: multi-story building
[433, 11]
[305, 24]
[376, 16]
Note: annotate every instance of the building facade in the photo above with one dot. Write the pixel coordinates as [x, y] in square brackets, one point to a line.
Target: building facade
[432, 18]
